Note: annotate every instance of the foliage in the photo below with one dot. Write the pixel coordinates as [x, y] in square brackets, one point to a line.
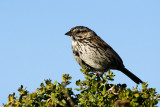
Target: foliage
[94, 91]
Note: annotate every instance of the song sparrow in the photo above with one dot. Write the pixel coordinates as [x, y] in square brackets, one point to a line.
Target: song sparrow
[91, 51]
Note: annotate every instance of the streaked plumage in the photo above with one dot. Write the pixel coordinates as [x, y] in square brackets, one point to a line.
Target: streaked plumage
[89, 50]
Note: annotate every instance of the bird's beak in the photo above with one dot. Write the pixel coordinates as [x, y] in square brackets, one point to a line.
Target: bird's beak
[68, 33]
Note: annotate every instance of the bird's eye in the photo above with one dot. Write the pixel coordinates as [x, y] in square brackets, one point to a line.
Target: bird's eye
[78, 31]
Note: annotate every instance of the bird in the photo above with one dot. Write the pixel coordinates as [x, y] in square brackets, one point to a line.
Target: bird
[90, 51]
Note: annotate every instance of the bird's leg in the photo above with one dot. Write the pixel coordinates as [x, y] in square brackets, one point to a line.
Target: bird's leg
[98, 76]
[101, 74]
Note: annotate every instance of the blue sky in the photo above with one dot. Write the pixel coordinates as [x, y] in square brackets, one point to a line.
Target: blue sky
[33, 45]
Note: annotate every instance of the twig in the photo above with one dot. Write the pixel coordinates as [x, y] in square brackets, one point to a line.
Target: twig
[68, 96]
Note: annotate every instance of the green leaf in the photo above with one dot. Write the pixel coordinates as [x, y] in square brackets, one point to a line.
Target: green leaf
[78, 82]
[136, 95]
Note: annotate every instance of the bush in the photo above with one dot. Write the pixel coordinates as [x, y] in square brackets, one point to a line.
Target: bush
[94, 91]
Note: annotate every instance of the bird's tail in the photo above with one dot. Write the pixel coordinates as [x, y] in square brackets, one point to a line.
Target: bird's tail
[130, 75]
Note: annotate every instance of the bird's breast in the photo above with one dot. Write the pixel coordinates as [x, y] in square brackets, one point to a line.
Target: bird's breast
[92, 56]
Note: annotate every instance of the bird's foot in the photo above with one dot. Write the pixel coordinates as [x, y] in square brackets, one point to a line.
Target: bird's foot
[101, 74]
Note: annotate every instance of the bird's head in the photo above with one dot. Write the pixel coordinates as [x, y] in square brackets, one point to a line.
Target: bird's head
[80, 32]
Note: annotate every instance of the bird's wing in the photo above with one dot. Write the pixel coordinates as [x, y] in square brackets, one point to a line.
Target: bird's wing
[109, 52]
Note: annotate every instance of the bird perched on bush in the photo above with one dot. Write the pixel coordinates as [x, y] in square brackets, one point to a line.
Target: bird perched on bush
[89, 50]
